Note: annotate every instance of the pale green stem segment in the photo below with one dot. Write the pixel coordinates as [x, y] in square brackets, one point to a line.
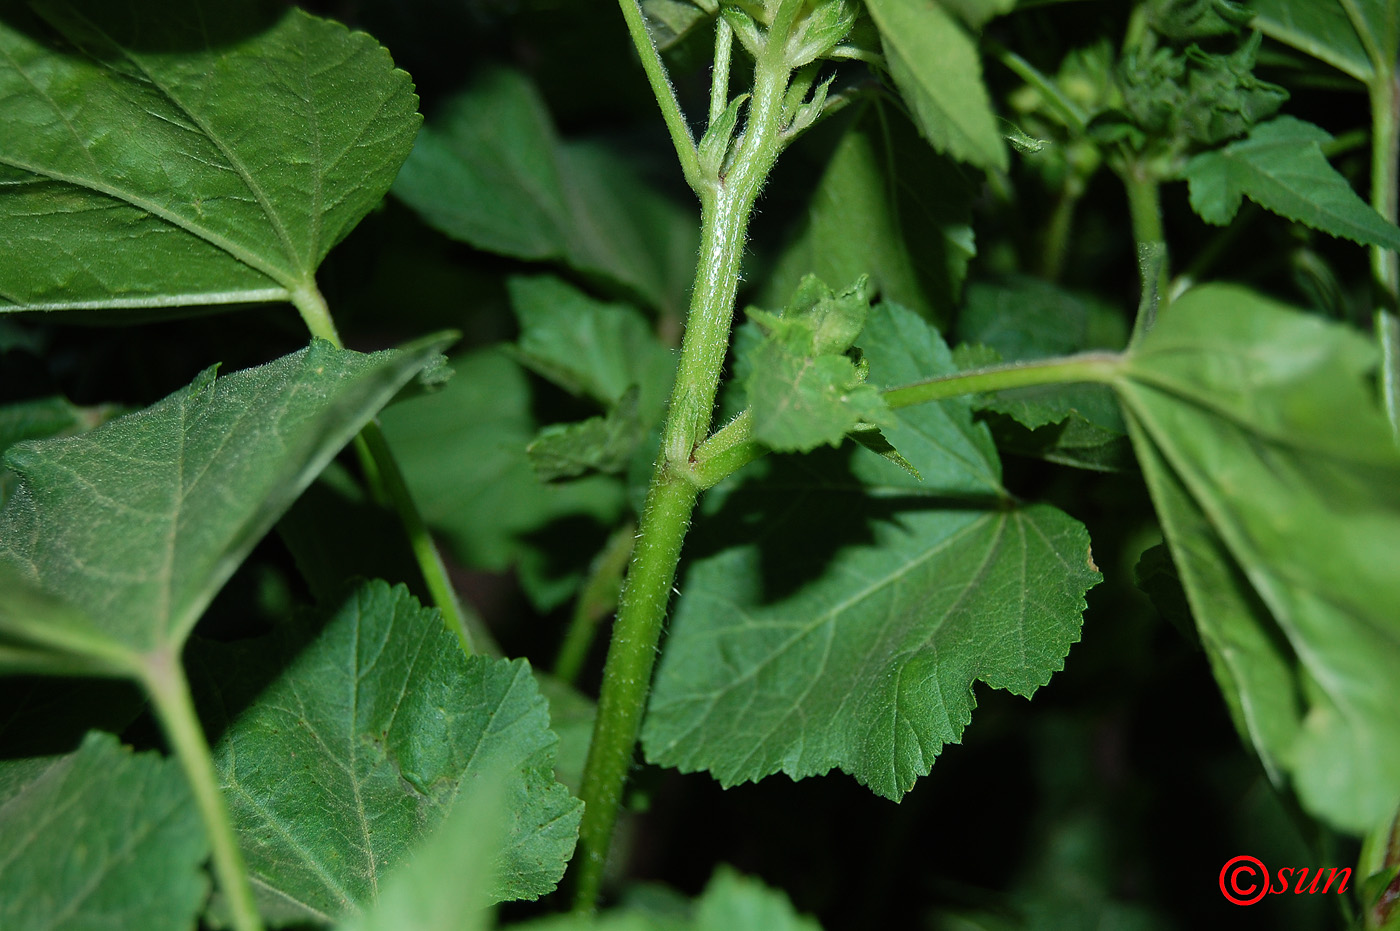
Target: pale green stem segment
[1385, 162]
[1086, 367]
[387, 483]
[732, 447]
[719, 77]
[1145, 207]
[597, 600]
[165, 681]
[726, 203]
[663, 91]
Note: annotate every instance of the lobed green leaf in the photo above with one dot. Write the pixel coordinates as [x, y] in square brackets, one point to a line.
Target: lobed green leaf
[849, 629]
[362, 742]
[1280, 166]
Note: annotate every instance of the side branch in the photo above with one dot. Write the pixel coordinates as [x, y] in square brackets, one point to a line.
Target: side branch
[663, 90]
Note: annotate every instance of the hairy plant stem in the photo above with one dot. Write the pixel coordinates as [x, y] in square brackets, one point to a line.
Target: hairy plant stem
[662, 90]
[1145, 207]
[1385, 154]
[733, 447]
[596, 601]
[165, 682]
[387, 484]
[726, 204]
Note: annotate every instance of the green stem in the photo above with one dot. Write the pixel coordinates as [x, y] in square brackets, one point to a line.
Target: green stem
[1074, 118]
[1145, 207]
[597, 600]
[1057, 234]
[387, 484]
[733, 447]
[663, 91]
[1385, 153]
[726, 204]
[1090, 366]
[726, 452]
[165, 681]
[719, 77]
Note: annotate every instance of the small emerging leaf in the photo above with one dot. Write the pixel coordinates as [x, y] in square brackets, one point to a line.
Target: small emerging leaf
[803, 390]
[598, 444]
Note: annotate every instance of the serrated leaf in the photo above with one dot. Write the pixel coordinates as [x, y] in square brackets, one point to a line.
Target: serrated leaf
[445, 883]
[490, 170]
[85, 833]
[598, 444]
[849, 635]
[976, 12]
[936, 66]
[137, 524]
[362, 743]
[1239, 406]
[133, 177]
[887, 208]
[462, 450]
[590, 347]
[1280, 166]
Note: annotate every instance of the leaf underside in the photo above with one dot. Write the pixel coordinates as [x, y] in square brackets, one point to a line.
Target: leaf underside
[137, 524]
[1278, 485]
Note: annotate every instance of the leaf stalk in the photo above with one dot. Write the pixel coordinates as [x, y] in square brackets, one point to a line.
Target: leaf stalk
[165, 681]
[663, 91]
[387, 484]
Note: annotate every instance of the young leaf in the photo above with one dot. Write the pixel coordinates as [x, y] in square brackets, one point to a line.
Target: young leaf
[362, 743]
[462, 450]
[598, 444]
[849, 633]
[887, 208]
[936, 66]
[489, 170]
[138, 523]
[589, 347]
[1278, 484]
[85, 833]
[1280, 166]
[803, 390]
[134, 177]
